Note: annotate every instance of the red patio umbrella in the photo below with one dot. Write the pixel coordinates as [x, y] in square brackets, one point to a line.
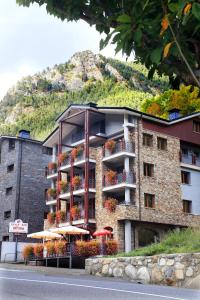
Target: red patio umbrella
[102, 232]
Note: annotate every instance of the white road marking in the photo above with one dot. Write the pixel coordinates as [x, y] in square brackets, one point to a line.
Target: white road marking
[92, 287]
[13, 270]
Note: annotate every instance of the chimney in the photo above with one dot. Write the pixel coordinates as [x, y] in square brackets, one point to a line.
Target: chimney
[25, 134]
[91, 104]
[174, 114]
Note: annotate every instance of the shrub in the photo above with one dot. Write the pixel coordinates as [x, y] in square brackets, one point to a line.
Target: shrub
[60, 247]
[76, 181]
[110, 145]
[111, 247]
[62, 157]
[50, 248]
[87, 248]
[60, 216]
[93, 248]
[52, 166]
[38, 250]
[51, 193]
[110, 204]
[27, 251]
[75, 212]
[51, 217]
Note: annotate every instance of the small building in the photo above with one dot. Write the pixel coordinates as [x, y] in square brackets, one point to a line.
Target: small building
[120, 169]
[23, 183]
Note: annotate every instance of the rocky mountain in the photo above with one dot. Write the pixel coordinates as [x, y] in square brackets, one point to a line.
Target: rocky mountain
[35, 101]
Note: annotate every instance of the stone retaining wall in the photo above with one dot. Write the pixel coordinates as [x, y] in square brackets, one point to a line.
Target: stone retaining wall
[171, 269]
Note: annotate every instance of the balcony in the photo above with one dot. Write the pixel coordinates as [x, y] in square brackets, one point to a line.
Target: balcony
[51, 171]
[191, 159]
[118, 181]
[78, 188]
[51, 197]
[118, 150]
[78, 160]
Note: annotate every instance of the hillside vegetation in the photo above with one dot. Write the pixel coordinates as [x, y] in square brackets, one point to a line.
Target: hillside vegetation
[35, 101]
[185, 241]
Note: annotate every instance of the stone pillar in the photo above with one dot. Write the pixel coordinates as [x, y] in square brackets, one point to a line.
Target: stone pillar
[126, 160]
[127, 236]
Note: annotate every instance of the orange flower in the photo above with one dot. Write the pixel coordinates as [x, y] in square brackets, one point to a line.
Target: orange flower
[187, 8]
[164, 24]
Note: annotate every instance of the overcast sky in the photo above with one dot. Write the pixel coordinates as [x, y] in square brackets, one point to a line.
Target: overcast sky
[31, 40]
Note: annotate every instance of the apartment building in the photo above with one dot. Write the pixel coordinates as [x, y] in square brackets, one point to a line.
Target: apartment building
[126, 171]
[23, 183]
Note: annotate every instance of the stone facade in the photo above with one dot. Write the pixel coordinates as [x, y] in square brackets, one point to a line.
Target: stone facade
[165, 185]
[26, 200]
[172, 269]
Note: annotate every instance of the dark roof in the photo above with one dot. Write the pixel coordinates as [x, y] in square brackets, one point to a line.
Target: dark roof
[20, 138]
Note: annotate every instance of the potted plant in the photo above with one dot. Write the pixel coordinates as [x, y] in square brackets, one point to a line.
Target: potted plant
[62, 186]
[51, 193]
[52, 167]
[28, 252]
[60, 216]
[50, 248]
[93, 248]
[110, 176]
[81, 248]
[110, 204]
[110, 145]
[75, 212]
[51, 217]
[38, 250]
[76, 152]
[62, 157]
[76, 181]
[60, 248]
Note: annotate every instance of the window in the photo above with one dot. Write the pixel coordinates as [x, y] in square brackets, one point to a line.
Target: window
[47, 150]
[187, 206]
[149, 200]
[161, 143]
[11, 144]
[147, 140]
[196, 126]
[148, 170]
[10, 168]
[185, 177]
[9, 191]
[7, 214]
[6, 238]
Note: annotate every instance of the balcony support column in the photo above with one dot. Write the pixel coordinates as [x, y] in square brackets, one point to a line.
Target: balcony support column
[127, 236]
[54, 153]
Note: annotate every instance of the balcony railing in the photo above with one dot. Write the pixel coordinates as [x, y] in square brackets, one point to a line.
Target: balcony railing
[119, 178]
[190, 159]
[120, 146]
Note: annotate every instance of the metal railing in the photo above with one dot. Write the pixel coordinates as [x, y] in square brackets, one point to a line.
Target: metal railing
[190, 159]
[123, 177]
[120, 146]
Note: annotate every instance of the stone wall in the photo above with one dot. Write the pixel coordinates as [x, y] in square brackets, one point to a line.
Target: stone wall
[172, 269]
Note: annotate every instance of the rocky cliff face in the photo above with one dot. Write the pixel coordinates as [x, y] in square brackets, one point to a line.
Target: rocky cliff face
[85, 77]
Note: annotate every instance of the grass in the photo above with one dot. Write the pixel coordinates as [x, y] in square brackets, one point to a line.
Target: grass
[185, 241]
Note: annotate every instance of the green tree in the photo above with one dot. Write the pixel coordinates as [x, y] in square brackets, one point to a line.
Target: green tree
[163, 34]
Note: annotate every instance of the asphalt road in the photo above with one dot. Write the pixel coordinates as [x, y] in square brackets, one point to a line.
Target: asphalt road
[25, 284]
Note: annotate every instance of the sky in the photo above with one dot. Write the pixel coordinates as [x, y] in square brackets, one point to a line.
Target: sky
[31, 40]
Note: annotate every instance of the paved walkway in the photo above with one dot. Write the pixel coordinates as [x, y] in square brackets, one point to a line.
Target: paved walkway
[44, 270]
